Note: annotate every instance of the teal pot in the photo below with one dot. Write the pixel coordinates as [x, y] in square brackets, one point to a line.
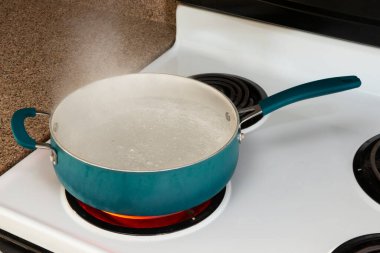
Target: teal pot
[151, 144]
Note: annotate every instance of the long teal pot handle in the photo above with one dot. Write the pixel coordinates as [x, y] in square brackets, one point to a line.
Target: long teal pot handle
[21, 135]
[308, 90]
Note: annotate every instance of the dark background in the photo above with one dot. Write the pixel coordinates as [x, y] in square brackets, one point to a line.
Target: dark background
[353, 20]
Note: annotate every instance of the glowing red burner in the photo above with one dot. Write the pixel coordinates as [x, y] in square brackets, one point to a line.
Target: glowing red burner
[144, 221]
[145, 225]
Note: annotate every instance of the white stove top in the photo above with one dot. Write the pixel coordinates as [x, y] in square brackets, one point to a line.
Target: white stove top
[293, 190]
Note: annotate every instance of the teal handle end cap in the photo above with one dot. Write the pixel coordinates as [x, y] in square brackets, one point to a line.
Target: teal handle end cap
[18, 127]
[351, 81]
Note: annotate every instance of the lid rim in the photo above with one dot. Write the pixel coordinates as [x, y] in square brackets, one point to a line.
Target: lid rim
[211, 89]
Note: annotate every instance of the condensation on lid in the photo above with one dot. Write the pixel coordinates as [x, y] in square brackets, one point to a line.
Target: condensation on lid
[144, 122]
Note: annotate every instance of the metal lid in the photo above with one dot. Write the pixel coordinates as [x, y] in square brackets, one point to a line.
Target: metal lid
[144, 122]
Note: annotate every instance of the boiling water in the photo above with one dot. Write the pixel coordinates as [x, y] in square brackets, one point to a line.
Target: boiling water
[149, 134]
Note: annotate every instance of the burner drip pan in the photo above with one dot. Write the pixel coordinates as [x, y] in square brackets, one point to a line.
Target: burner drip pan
[367, 167]
[362, 244]
[145, 225]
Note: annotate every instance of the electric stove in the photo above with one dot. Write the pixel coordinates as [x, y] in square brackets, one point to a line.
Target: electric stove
[296, 187]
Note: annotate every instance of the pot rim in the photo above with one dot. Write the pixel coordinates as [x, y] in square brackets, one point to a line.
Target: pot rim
[236, 131]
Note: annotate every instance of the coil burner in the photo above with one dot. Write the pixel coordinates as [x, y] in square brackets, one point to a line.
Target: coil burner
[145, 225]
[242, 92]
[367, 167]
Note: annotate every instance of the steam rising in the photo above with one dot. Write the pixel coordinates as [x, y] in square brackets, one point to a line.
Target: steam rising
[98, 49]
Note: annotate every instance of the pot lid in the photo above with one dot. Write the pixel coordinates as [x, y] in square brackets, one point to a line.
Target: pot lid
[144, 122]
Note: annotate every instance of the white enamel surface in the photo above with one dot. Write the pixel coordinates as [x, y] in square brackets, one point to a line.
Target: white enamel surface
[144, 122]
[293, 191]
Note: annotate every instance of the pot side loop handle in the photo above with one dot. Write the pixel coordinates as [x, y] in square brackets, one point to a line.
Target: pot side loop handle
[301, 92]
[22, 137]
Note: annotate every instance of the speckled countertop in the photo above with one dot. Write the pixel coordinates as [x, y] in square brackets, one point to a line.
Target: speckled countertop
[50, 48]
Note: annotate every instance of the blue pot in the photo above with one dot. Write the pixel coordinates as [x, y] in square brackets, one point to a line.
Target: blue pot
[146, 193]
[150, 193]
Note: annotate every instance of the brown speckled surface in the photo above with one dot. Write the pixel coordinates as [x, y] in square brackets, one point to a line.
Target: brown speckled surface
[156, 10]
[49, 48]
